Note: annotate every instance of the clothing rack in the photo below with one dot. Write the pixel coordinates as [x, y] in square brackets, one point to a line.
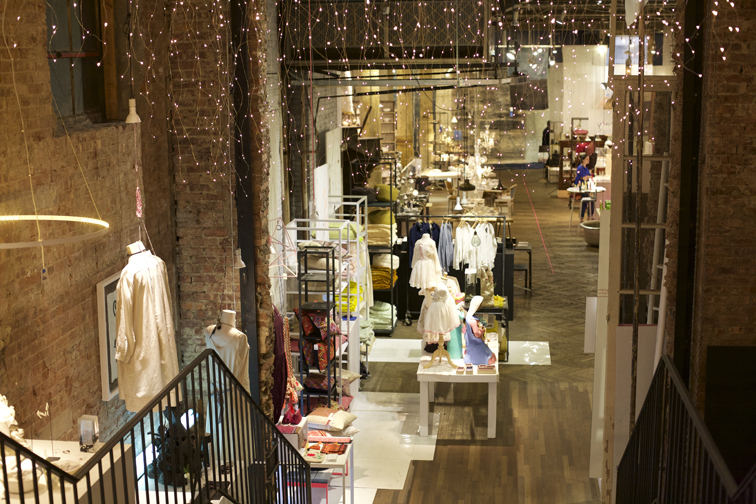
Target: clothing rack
[421, 217]
[416, 217]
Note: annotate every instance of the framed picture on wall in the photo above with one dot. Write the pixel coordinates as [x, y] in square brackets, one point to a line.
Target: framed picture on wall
[106, 312]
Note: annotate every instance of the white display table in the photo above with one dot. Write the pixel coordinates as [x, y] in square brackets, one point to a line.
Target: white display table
[69, 451]
[345, 462]
[442, 372]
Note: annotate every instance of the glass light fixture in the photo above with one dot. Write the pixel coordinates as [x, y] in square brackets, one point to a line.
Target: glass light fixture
[475, 241]
[458, 206]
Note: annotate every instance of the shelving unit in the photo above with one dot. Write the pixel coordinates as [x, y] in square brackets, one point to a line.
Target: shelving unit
[355, 209]
[388, 124]
[390, 293]
[327, 307]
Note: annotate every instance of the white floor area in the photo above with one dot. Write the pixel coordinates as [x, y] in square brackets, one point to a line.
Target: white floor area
[521, 353]
[386, 444]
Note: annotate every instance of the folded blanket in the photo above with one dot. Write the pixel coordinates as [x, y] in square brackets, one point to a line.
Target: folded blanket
[386, 261]
[381, 234]
[383, 278]
[380, 306]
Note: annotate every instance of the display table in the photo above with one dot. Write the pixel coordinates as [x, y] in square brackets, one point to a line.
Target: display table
[442, 372]
[345, 462]
[576, 190]
[68, 451]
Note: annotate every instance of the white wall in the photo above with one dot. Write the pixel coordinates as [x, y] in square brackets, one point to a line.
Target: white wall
[582, 71]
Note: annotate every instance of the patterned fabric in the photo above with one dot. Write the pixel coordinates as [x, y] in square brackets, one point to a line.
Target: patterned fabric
[314, 323]
[292, 384]
[319, 358]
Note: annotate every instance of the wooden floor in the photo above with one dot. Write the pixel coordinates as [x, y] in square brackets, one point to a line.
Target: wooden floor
[541, 451]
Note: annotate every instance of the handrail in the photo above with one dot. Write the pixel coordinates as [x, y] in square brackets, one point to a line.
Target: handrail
[711, 447]
[238, 452]
[136, 419]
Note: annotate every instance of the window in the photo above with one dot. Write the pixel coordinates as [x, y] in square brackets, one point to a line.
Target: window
[75, 55]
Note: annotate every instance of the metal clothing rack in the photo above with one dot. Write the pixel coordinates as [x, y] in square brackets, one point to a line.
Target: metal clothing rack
[417, 217]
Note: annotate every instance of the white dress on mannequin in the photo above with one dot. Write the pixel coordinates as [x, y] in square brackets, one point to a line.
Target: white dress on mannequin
[426, 268]
[226, 408]
[145, 340]
[442, 315]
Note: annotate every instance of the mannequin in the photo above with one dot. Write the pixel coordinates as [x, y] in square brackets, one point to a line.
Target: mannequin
[231, 344]
[441, 317]
[232, 347]
[145, 342]
[426, 268]
[135, 248]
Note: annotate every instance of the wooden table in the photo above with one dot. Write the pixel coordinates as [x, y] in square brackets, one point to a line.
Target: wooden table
[442, 372]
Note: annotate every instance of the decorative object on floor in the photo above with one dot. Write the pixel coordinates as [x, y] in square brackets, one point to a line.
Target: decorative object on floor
[177, 452]
[591, 232]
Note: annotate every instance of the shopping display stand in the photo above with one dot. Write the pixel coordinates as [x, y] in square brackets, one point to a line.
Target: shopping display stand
[339, 234]
[444, 373]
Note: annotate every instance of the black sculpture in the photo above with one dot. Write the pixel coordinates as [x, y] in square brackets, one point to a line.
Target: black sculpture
[177, 452]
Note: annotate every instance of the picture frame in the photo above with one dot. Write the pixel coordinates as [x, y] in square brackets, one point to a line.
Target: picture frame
[106, 314]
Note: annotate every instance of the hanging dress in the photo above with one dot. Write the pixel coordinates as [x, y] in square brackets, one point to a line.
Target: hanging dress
[426, 269]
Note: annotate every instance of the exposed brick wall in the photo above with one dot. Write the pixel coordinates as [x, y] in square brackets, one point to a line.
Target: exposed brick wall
[726, 262]
[51, 343]
[203, 174]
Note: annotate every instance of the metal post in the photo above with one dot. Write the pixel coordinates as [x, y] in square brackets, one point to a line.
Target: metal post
[245, 191]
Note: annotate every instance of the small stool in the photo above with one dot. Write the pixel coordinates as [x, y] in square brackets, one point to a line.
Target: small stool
[524, 268]
[584, 200]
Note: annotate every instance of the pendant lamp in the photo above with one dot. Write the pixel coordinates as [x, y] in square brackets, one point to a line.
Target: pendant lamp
[458, 206]
[238, 263]
[133, 117]
[467, 186]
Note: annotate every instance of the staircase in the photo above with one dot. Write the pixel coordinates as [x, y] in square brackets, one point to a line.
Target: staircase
[201, 440]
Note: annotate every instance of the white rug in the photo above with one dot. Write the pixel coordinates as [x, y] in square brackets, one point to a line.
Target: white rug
[386, 444]
[521, 353]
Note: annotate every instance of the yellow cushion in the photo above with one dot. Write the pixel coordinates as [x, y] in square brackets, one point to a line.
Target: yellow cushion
[381, 217]
[386, 192]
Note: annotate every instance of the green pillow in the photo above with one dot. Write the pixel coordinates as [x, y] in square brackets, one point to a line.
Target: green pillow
[350, 233]
[381, 217]
[386, 192]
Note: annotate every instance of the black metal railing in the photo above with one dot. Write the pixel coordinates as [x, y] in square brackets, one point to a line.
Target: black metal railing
[671, 456]
[201, 438]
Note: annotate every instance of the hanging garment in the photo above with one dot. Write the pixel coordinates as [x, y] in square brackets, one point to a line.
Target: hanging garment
[417, 231]
[145, 340]
[445, 246]
[486, 253]
[462, 246]
[280, 365]
[442, 315]
[292, 384]
[426, 270]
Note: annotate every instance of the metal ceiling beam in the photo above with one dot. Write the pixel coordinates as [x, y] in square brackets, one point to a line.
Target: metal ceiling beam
[401, 83]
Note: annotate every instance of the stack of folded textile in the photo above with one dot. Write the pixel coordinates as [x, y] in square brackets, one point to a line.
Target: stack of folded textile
[381, 234]
[382, 278]
[350, 297]
[386, 261]
[367, 336]
[383, 315]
